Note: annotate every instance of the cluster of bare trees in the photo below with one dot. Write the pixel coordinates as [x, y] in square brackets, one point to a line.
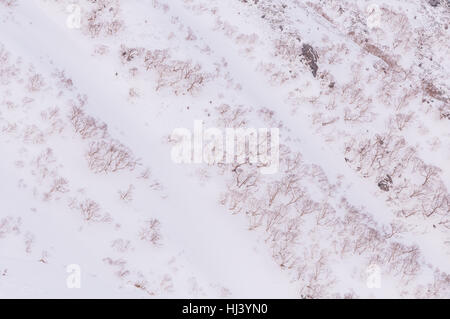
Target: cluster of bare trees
[379, 243]
[273, 13]
[359, 109]
[284, 210]
[33, 134]
[103, 18]
[12, 226]
[245, 41]
[104, 154]
[295, 52]
[414, 186]
[35, 83]
[396, 167]
[137, 279]
[64, 82]
[44, 166]
[109, 156]
[8, 69]
[180, 76]
[55, 123]
[119, 264]
[396, 35]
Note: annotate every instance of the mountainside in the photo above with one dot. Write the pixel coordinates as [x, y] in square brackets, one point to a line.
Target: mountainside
[94, 205]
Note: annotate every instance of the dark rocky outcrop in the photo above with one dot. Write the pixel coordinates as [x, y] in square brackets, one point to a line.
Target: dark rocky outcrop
[385, 184]
[310, 55]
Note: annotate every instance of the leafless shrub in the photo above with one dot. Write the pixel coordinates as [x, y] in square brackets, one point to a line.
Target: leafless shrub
[8, 70]
[438, 203]
[392, 230]
[63, 81]
[35, 83]
[231, 116]
[127, 195]
[289, 48]
[9, 3]
[145, 174]
[166, 283]
[120, 264]
[403, 259]
[29, 241]
[431, 90]
[151, 232]
[33, 134]
[101, 49]
[133, 93]
[155, 58]
[89, 210]
[129, 54]
[9, 225]
[402, 120]
[51, 116]
[59, 185]
[316, 277]
[244, 178]
[438, 289]
[45, 164]
[190, 36]
[121, 245]
[326, 215]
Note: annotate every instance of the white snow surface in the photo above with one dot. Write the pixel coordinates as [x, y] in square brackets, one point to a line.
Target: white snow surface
[377, 110]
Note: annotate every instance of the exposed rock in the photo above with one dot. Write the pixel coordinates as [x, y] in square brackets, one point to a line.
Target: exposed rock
[385, 184]
[311, 57]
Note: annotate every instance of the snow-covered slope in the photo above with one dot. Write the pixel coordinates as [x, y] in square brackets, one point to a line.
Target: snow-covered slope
[90, 92]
